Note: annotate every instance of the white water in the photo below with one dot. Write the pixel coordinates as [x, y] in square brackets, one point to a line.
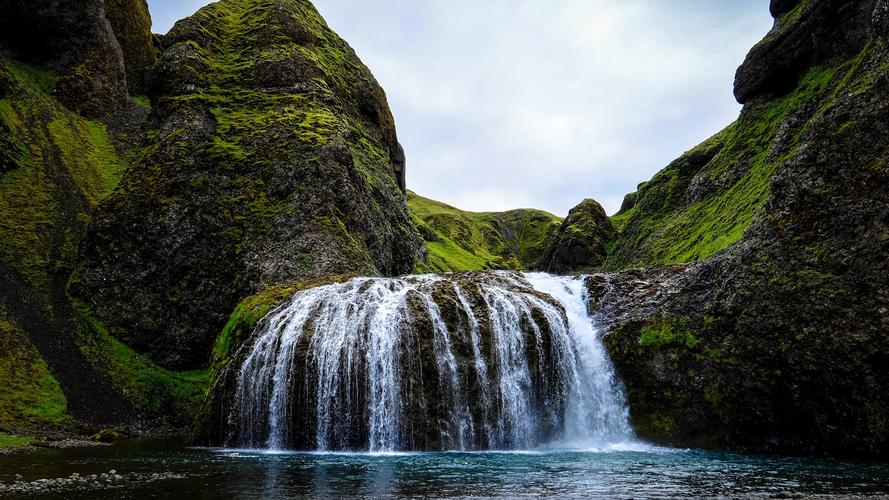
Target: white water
[430, 362]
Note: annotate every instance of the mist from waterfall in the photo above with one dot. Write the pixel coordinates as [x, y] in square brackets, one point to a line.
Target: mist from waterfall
[434, 362]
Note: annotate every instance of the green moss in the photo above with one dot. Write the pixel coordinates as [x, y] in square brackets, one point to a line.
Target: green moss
[148, 386]
[252, 309]
[58, 150]
[244, 317]
[665, 228]
[88, 154]
[657, 424]
[620, 221]
[468, 241]
[30, 396]
[41, 79]
[662, 332]
[142, 101]
[11, 441]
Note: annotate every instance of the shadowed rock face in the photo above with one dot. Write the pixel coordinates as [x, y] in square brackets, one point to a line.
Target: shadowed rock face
[74, 39]
[806, 33]
[269, 158]
[779, 343]
[131, 23]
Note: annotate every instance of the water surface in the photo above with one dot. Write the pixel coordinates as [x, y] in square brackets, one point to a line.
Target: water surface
[620, 471]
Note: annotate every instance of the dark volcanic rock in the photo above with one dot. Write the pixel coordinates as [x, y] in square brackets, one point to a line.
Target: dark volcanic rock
[270, 158]
[778, 7]
[579, 244]
[131, 23]
[805, 34]
[778, 343]
[72, 38]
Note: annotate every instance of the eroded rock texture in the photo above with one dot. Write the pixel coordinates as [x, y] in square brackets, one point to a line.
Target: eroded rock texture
[271, 156]
[778, 343]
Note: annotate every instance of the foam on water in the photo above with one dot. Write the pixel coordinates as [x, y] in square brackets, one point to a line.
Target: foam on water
[340, 367]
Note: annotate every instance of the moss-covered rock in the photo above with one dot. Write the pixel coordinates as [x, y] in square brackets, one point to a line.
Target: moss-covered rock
[777, 341]
[73, 39]
[131, 23]
[580, 243]
[270, 158]
[30, 397]
[470, 241]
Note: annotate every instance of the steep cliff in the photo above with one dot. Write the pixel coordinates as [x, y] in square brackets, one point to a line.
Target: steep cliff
[57, 60]
[270, 157]
[777, 342]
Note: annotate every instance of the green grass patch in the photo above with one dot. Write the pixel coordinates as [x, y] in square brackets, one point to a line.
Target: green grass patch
[142, 101]
[29, 395]
[458, 240]
[664, 332]
[88, 154]
[12, 441]
[37, 236]
[148, 386]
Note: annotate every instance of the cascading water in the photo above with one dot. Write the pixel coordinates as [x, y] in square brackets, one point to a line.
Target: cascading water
[452, 362]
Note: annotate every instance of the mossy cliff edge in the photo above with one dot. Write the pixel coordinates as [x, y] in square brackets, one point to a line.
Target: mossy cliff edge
[774, 337]
[132, 225]
[270, 156]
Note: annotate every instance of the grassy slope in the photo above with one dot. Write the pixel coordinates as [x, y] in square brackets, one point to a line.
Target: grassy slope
[36, 231]
[467, 241]
[29, 396]
[41, 221]
[666, 226]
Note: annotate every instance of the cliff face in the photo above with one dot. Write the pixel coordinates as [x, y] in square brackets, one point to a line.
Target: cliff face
[270, 156]
[73, 39]
[705, 201]
[131, 23]
[60, 66]
[776, 343]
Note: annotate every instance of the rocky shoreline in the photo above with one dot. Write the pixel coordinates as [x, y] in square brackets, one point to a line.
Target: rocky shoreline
[110, 480]
[60, 444]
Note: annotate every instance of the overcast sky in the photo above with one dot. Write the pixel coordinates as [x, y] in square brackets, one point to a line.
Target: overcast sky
[505, 104]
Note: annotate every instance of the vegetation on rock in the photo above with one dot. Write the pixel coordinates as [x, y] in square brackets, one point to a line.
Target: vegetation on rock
[30, 397]
[776, 342]
[470, 241]
[581, 242]
[270, 159]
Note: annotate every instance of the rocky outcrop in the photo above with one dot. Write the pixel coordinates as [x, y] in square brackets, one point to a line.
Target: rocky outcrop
[777, 341]
[271, 157]
[131, 23]
[73, 39]
[579, 244]
[806, 34]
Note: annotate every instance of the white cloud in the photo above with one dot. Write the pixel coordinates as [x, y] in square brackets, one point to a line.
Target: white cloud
[505, 103]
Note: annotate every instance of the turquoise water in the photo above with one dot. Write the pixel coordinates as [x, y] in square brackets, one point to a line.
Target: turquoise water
[634, 471]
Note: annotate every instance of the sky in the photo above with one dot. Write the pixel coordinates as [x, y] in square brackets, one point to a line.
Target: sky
[504, 104]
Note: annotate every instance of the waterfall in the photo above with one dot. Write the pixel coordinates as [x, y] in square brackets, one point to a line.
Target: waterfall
[434, 362]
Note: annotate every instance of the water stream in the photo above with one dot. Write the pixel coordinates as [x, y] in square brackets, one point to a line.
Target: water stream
[501, 362]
